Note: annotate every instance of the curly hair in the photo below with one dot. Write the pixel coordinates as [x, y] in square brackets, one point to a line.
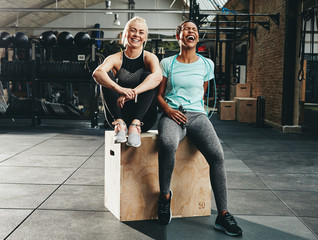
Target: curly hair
[179, 27]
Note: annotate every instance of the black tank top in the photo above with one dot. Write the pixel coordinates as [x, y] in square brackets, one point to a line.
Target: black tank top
[129, 75]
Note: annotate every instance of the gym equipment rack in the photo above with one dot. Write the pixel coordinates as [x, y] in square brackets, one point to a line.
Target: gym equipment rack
[40, 72]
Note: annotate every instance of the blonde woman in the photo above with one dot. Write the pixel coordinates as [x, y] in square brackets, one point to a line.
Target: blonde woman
[130, 78]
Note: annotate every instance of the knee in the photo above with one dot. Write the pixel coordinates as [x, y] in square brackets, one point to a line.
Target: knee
[167, 145]
[215, 158]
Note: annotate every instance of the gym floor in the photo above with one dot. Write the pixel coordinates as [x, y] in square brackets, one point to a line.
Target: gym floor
[52, 176]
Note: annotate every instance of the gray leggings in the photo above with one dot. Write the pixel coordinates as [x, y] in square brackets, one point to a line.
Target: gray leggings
[201, 133]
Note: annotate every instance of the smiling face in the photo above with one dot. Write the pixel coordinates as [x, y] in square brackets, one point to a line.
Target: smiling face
[188, 35]
[135, 33]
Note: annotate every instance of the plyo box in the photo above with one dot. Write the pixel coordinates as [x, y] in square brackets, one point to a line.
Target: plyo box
[243, 90]
[246, 109]
[227, 110]
[132, 183]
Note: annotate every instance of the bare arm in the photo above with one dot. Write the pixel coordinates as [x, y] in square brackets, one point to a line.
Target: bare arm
[155, 76]
[101, 77]
[205, 87]
[176, 115]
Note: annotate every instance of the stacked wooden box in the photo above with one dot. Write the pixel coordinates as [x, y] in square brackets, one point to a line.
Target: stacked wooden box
[227, 110]
[246, 109]
[243, 90]
[242, 108]
[245, 104]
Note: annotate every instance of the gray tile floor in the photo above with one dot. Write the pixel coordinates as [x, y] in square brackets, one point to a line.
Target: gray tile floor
[51, 185]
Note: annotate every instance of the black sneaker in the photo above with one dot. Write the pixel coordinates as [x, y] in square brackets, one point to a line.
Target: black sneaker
[164, 212]
[227, 224]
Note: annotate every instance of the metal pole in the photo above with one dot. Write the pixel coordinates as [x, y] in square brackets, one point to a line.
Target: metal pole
[93, 52]
[92, 10]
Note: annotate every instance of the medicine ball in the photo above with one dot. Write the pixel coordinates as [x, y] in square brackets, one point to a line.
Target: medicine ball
[5, 39]
[65, 39]
[48, 39]
[20, 40]
[82, 39]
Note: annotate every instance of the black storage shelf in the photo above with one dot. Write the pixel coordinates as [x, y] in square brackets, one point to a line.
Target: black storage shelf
[65, 118]
[15, 116]
[30, 72]
[15, 79]
[46, 117]
[65, 80]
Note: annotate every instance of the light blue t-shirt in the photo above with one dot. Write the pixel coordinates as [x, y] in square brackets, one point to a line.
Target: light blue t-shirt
[188, 80]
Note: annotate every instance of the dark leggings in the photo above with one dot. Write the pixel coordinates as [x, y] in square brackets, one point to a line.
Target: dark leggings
[145, 109]
[200, 131]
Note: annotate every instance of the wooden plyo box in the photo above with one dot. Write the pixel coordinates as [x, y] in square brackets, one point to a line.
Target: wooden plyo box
[227, 110]
[243, 90]
[132, 184]
[246, 109]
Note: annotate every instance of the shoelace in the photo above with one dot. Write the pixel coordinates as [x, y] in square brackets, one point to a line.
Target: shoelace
[230, 219]
[164, 207]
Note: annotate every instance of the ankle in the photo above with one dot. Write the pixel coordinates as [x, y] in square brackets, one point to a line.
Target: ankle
[136, 122]
[165, 196]
[119, 125]
[135, 126]
[222, 213]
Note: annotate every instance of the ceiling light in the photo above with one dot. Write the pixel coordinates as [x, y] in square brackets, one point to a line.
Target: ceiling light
[116, 21]
[108, 5]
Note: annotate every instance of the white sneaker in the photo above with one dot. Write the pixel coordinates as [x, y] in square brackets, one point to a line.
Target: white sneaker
[134, 139]
[120, 132]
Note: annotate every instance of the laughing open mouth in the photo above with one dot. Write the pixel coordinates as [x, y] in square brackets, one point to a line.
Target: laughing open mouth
[190, 38]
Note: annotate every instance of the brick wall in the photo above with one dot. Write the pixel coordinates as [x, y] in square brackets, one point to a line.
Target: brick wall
[265, 62]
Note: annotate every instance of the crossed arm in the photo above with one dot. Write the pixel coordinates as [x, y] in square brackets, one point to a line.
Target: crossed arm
[113, 62]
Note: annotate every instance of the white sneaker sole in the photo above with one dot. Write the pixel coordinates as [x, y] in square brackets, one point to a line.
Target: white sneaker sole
[133, 145]
[120, 141]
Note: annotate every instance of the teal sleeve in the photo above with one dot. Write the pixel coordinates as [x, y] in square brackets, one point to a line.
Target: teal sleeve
[210, 67]
[163, 66]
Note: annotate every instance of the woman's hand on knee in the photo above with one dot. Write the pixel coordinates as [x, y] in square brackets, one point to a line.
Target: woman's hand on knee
[121, 100]
[127, 92]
